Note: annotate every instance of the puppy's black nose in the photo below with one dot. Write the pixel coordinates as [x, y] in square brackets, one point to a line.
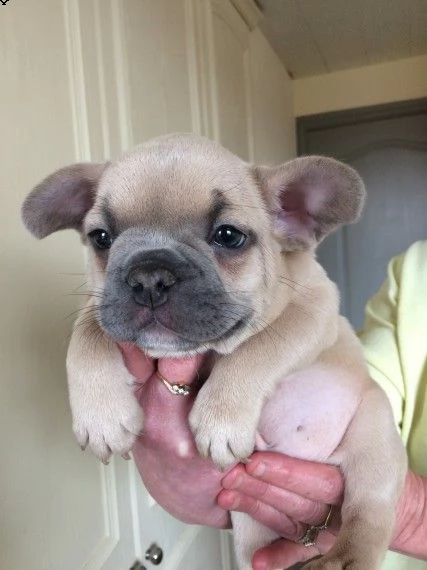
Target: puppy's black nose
[150, 284]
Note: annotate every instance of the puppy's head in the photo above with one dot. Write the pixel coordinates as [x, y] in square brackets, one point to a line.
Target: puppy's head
[190, 245]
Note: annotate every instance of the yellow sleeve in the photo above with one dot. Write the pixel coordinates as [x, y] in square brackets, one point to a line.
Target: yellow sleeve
[380, 341]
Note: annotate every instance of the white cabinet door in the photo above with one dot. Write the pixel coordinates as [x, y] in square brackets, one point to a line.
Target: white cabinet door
[80, 80]
[60, 509]
[230, 38]
[157, 42]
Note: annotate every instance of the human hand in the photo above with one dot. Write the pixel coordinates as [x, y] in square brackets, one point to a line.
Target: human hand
[165, 455]
[288, 495]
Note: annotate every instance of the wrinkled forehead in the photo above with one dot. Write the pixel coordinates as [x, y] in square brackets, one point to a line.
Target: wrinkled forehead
[158, 186]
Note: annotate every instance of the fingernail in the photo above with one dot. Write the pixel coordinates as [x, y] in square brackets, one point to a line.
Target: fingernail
[256, 470]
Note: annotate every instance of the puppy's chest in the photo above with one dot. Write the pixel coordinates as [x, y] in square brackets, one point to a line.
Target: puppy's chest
[309, 413]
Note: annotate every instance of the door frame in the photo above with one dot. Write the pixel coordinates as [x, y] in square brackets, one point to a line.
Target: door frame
[310, 123]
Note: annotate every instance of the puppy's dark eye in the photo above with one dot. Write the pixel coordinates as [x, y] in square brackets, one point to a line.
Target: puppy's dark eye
[229, 237]
[100, 239]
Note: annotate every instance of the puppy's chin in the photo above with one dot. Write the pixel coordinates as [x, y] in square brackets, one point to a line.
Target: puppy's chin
[159, 342]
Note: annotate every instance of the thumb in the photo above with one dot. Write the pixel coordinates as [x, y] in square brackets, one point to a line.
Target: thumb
[157, 399]
[180, 370]
[161, 407]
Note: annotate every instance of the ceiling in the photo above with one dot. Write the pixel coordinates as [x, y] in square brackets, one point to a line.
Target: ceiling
[319, 36]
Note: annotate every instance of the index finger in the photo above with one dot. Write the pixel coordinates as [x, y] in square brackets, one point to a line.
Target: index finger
[315, 481]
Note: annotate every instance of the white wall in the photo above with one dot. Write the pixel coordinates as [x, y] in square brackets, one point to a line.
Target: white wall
[273, 121]
[83, 80]
[371, 85]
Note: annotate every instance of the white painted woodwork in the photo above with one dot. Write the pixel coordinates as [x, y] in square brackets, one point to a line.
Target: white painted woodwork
[84, 80]
[249, 11]
[271, 126]
[362, 87]
[231, 46]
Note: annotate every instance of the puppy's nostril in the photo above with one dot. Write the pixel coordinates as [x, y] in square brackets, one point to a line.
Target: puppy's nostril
[162, 286]
[137, 287]
[150, 285]
[133, 280]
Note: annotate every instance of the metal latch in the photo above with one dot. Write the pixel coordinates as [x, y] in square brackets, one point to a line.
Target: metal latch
[154, 554]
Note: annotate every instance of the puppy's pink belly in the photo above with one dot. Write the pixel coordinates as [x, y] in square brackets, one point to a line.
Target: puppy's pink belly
[309, 413]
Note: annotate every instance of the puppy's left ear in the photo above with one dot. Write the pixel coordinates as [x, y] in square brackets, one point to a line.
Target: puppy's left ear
[62, 200]
[309, 198]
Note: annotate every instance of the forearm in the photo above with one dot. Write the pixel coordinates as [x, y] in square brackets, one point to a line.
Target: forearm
[411, 535]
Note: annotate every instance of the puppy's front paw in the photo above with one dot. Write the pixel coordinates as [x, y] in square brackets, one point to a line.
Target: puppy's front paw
[221, 430]
[108, 424]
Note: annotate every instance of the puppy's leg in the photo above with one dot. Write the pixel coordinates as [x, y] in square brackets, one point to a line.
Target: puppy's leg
[106, 415]
[249, 535]
[373, 462]
[227, 409]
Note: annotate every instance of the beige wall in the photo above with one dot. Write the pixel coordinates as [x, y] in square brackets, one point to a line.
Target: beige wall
[370, 85]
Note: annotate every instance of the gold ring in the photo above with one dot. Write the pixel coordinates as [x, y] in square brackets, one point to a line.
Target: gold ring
[176, 389]
[310, 536]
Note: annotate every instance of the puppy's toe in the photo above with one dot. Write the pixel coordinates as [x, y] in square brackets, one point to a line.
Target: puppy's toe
[220, 453]
[223, 450]
[221, 434]
[100, 448]
[224, 456]
[132, 422]
[122, 441]
[224, 460]
[82, 435]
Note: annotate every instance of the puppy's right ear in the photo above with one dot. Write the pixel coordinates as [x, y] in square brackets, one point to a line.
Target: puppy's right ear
[62, 200]
[310, 197]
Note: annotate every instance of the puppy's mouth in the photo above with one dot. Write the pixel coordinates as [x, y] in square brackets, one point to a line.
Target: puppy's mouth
[164, 331]
[171, 301]
[156, 335]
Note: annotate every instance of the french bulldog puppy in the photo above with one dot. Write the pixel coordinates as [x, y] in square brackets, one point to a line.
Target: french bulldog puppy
[193, 250]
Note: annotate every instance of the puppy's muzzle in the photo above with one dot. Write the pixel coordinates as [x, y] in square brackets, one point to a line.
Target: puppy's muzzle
[152, 278]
